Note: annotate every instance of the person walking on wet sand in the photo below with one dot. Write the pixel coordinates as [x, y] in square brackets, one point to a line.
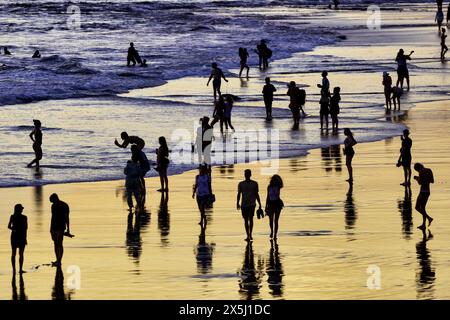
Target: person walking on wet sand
[243, 55]
[130, 140]
[249, 191]
[405, 158]
[202, 189]
[424, 179]
[274, 204]
[268, 91]
[60, 226]
[334, 108]
[36, 137]
[349, 152]
[402, 67]
[18, 224]
[387, 84]
[216, 76]
[444, 47]
[162, 161]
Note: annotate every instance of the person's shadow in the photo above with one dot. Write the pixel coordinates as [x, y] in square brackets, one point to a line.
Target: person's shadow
[405, 208]
[21, 295]
[58, 292]
[250, 279]
[274, 270]
[134, 240]
[426, 275]
[204, 253]
[351, 214]
[164, 219]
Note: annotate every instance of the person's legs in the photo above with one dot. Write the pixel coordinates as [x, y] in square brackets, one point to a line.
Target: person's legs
[161, 180]
[321, 120]
[407, 82]
[129, 198]
[271, 225]
[248, 69]
[13, 258]
[137, 196]
[348, 163]
[276, 218]
[326, 119]
[166, 181]
[221, 124]
[21, 251]
[240, 71]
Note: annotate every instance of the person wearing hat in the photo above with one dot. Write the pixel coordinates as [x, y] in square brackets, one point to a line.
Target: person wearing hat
[18, 224]
[405, 158]
[36, 137]
[387, 83]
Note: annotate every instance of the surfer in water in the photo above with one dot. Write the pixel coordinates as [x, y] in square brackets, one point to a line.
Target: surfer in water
[133, 56]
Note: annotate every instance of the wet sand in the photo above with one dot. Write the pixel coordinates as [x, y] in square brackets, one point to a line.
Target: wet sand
[329, 234]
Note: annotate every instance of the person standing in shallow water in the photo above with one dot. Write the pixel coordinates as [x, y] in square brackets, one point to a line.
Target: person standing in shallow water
[405, 158]
[268, 92]
[18, 224]
[349, 152]
[334, 108]
[60, 226]
[387, 84]
[36, 137]
[444, 47]
[216, 76]
[249, 191]
[402, 67]
[424, 179]
[274, 204]
[243, 55]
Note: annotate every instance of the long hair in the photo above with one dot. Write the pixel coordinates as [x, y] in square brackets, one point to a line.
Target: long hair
[276, 181]
[163, 143]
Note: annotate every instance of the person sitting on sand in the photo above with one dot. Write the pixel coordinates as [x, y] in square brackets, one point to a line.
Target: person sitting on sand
[349, 152]
[216, 76]
[249, 191]
[202, 191]
[405, 158]
[424, 179]
[130, 140]
[268, 91]
[36, 54]
[334, 108]
[397, 92]
[243, 55]
[36, 137]
[60, 226]
[402, 67]
[444, 47]
[132, 173]
[439, 18]
[387, 84]
[6, 51]
[18, 224]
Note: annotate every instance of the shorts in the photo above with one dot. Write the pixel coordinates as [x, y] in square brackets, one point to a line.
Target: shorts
[18, 241]
[274, 206]
[402, 72]
[248, 212]
[202, 200]
[422, 200]
[406, 161]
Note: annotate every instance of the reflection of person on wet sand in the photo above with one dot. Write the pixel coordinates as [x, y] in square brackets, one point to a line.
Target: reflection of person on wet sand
[58, 288]
[274, 271]
[204, 253]
[36, 137]
[350, 209]
[164, 218]
[18, 224]
[250, 281]
[405, 208]
[426, 274]
[424, 179]
[21, 296]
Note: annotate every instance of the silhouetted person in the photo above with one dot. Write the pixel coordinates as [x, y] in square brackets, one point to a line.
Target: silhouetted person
[216, 76]
[18, 224]
[426, 274]
[162, 161]
[21, 296]
[243, 55]
[133, 185]
[36, 137]
[202, 191]
[439, 4]
[324, 99]
[349, 152]
[132, 56]
[274, 270]
[144, 166]
[60, 226]
[206, 141]
[405, 208]
[249, 191]
[405, 158]
[6, 51]
[249, 279]
[274, 204]
[130, 140]
[268, 92]
[227, 112]
[444, 47]
[397, 93]
[325, 86]
[334, 108]
[402, 67]
[264, 54]
[387, 84]
[424, 179]
[296, 96]
[219, 113]
[439, 19]
[36, 54]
